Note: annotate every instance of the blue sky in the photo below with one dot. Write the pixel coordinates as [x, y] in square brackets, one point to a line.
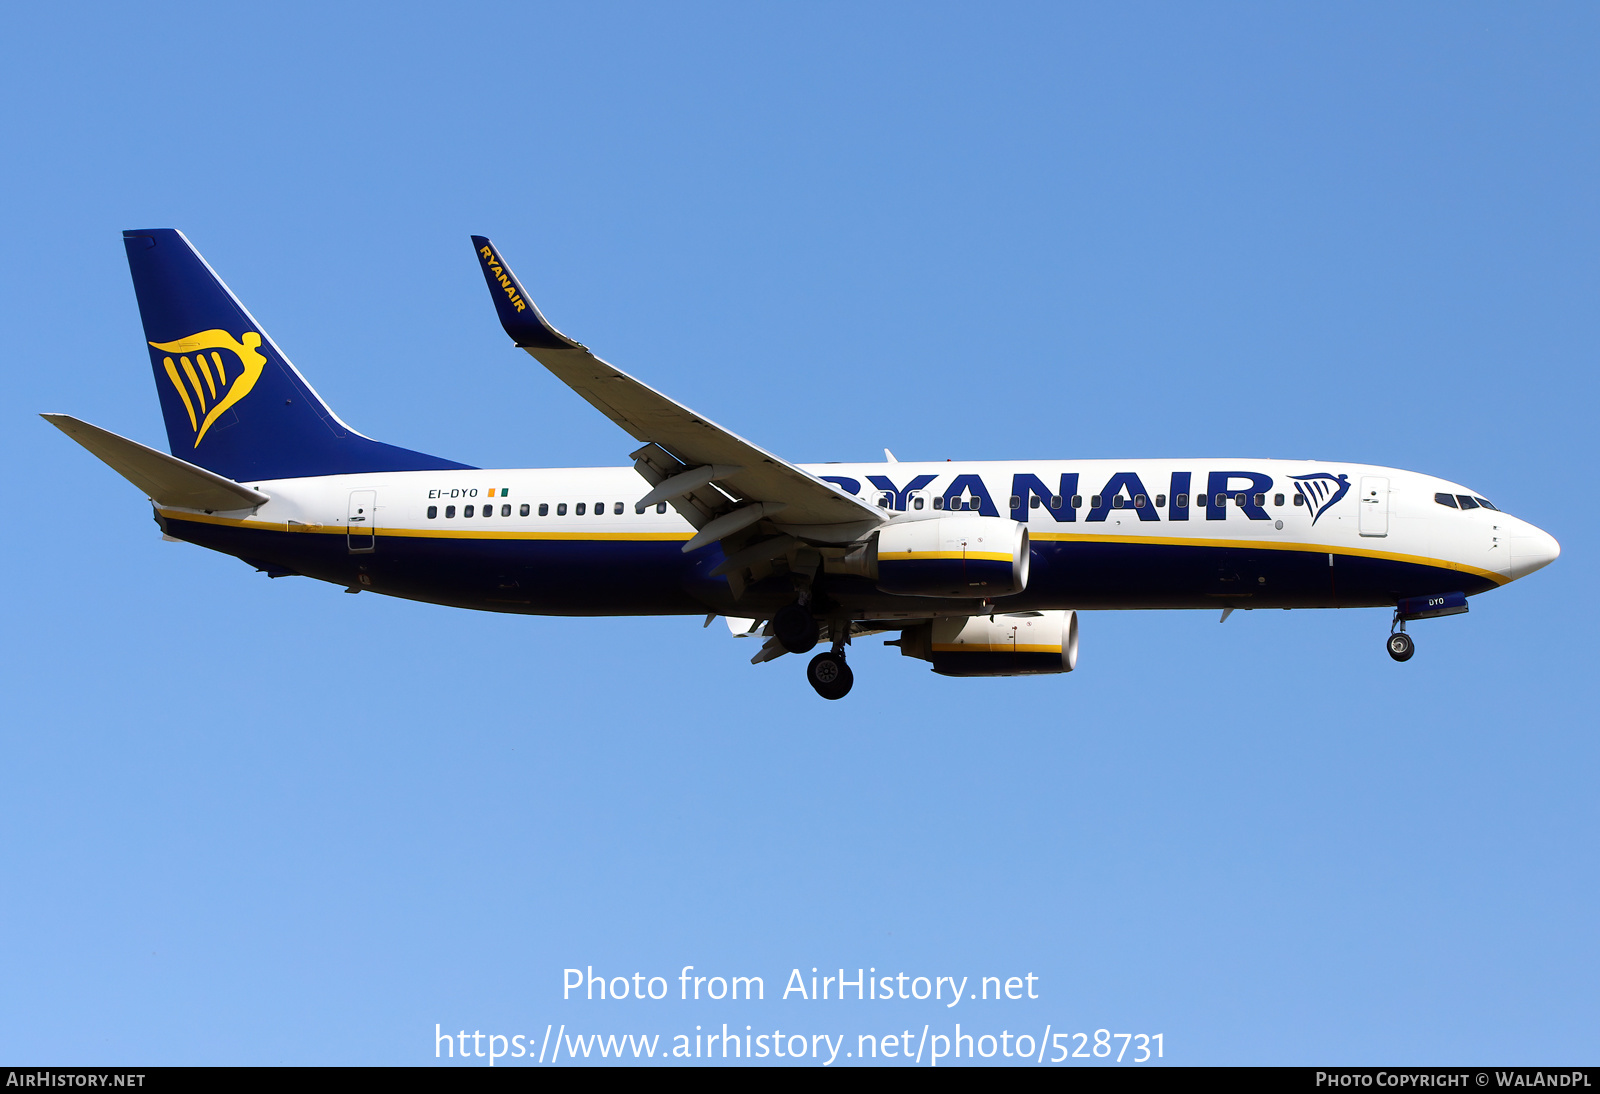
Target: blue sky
[253, 821]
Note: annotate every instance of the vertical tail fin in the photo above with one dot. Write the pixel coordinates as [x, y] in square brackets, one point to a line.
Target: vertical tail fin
[233, 403]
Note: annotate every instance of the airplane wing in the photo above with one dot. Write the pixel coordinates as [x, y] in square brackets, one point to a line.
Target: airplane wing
[754, 483]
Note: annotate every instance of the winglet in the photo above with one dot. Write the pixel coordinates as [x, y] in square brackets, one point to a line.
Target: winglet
[518, 314]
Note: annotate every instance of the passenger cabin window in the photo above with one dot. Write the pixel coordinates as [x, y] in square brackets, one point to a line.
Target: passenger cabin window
[561, 508]
[524, 510]
[1222, 500]
[1016, 501]
[433, 512]
[883, 501]
[1180, 501]
[1055, 501]
[1161, 501]
[449, 511]
[1446, 499]
[1277, 499]
[1035, 501]
[1138, 501]
[1299, 499]
[1238, 499]
[599, 508]
[938, 503]
[1094, 501]
[579, 509]
[661, 507]
[488, 510]
[916, 503]
[467, 512]
[1466, 501]
[1261, 499]
[616, 509]
[544, 509]
[1117, 502]
[505, 510]
[1077, 501]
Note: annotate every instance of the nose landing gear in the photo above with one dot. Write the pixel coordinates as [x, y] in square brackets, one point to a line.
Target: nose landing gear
[1399, 645]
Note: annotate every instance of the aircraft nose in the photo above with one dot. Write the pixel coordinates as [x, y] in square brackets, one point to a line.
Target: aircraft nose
[1532, 549]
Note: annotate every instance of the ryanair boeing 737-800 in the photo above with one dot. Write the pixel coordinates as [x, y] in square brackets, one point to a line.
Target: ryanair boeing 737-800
[979, 567]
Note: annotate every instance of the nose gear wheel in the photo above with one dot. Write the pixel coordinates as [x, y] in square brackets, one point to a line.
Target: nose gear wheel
[1401, 647]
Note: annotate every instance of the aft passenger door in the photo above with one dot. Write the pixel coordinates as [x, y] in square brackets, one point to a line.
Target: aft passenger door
[1374, 506]
[361, 523]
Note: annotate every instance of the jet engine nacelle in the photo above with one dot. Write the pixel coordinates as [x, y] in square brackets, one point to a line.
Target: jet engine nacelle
[953, 556]
[1023, 644]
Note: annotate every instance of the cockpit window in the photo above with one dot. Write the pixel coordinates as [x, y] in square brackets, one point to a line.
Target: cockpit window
[1486, 503]
[1446, 499]
[1466, 501]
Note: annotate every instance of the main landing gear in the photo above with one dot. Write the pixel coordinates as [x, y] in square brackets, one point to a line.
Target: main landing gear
[795, 628]
[1400, 645]
[829, 675]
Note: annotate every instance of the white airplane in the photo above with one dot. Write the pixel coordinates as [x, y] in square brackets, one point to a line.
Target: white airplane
[979, 567]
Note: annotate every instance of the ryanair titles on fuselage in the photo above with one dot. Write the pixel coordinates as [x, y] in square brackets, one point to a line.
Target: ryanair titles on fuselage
[1065, 498]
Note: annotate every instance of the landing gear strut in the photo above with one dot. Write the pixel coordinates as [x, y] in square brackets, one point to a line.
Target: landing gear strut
[1400, 645]
[829, 675]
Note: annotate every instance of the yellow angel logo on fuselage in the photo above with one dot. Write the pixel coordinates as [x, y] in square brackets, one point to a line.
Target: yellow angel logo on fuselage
[211, 382]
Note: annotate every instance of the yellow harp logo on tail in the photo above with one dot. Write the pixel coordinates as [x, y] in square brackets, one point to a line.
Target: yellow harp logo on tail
[206, 381]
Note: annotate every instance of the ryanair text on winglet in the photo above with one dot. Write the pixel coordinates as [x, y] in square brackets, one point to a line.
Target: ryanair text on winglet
[496, 268]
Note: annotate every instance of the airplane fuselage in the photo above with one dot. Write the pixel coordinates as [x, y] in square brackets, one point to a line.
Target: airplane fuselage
[1104, 534]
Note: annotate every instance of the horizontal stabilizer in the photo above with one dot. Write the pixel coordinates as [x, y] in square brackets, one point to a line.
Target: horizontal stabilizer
[165, 479]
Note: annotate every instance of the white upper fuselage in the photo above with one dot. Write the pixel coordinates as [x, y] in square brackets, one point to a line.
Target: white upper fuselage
[1408, 523]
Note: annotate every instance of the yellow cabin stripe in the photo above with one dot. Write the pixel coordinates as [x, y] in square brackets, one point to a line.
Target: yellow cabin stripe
[659, 537]
[1268, 545]
[419, 533]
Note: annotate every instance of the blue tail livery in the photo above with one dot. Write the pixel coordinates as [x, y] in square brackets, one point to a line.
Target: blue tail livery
[232, 401]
